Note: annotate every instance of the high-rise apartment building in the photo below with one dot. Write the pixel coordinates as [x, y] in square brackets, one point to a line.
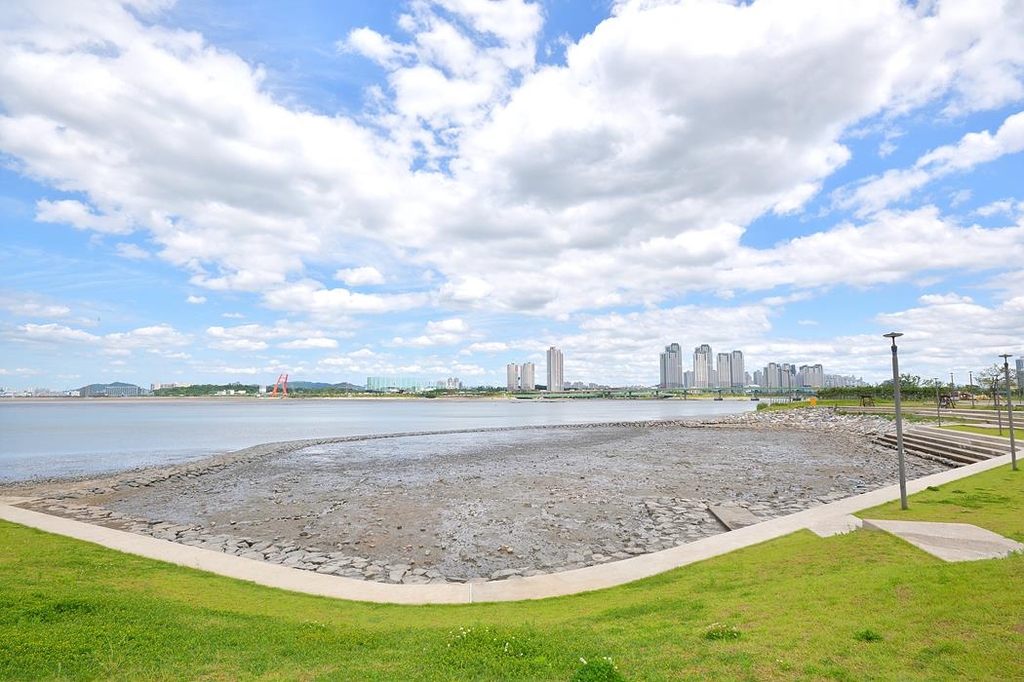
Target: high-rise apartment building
[512, 376]
[528, 376]
[739, 373]
[520, 377]
[556, 378]
[811, 376]
[703, 366]
[724, 378]
[672, 367]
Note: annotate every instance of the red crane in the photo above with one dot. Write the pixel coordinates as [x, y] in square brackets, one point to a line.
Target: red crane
[282, 383]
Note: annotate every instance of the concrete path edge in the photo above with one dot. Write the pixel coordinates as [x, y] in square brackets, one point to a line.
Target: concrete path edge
[535, 587]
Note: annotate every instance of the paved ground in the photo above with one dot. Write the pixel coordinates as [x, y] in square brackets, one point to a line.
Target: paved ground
[950, 541]
[826, 519]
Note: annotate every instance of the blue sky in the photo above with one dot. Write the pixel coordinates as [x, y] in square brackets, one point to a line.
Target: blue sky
[216, 192]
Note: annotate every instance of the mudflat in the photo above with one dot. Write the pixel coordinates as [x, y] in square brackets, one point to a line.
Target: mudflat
[491, 504]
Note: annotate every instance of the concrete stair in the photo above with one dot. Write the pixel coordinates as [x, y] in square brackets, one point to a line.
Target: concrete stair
[952, 446]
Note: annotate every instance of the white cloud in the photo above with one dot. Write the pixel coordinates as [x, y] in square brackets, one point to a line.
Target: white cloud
[57, 334]
[154, 337]
[313, 298]
[973, 149]
[355, 277]
[196, 300]
[438, 333]
[79, 215]
[28, 305]
[132, 251]
[1002, 207]
[488, 347]
[310, 343]
[244, 338]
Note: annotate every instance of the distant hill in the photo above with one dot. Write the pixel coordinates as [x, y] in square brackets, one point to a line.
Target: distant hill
[320, 385]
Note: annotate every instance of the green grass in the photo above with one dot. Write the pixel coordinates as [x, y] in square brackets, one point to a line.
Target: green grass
[1018, 432]
[862, 606]
[992, 500]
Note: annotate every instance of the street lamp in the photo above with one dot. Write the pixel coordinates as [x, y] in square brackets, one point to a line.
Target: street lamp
[1009, 410]
[899, 417]
[970, 376]
[938, 414]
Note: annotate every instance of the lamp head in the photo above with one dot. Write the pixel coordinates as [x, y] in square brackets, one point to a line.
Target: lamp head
[893, 335]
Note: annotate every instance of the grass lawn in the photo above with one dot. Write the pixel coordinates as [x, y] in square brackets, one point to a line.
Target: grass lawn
[1018, 431]
[861, 606]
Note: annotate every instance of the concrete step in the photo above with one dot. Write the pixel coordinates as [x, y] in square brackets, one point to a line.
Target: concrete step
[985, 440]
[930, 450]
[955, 444]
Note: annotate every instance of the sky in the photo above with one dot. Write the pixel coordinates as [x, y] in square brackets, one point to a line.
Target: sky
[216, 192]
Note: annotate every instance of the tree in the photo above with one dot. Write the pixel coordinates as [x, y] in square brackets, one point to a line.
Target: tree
[993, 381]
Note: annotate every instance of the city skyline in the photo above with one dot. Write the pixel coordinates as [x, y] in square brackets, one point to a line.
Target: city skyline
[218, 193]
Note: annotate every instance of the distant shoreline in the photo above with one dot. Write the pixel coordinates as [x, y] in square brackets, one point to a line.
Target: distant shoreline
[459, 398]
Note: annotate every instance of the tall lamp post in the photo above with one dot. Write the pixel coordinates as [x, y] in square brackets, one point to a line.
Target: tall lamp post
[899, 417]
[970, 376]
[1009, 410]
[938, 403]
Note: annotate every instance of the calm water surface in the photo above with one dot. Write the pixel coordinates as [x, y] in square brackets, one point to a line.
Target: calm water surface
[58, 438]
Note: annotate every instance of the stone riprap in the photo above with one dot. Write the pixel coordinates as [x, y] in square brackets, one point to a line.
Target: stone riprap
[492, 504]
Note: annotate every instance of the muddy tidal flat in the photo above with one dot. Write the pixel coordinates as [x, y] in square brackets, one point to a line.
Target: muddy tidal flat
[491, 504]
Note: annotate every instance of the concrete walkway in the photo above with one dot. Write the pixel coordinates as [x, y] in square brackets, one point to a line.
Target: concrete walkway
[825, 520]
[950, 541]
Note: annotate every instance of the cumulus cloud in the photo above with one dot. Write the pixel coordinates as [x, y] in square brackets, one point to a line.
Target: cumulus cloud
[244, 338]
[152, 339]
[132, 251]
[355, 277]
[28, 305]
[437, 333]
[878, 192]
[636, 147]
[988, 330]
[310, 343]
[81, 216]
[56, 334]
[196, 300]
[314, 298]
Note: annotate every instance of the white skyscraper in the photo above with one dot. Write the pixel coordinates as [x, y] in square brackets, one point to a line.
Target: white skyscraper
[556, 378]
[672, 367]
[811, 376]
[512, 376]
[703, 366]
[739, 374]
[724, 376]
[528, 376]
